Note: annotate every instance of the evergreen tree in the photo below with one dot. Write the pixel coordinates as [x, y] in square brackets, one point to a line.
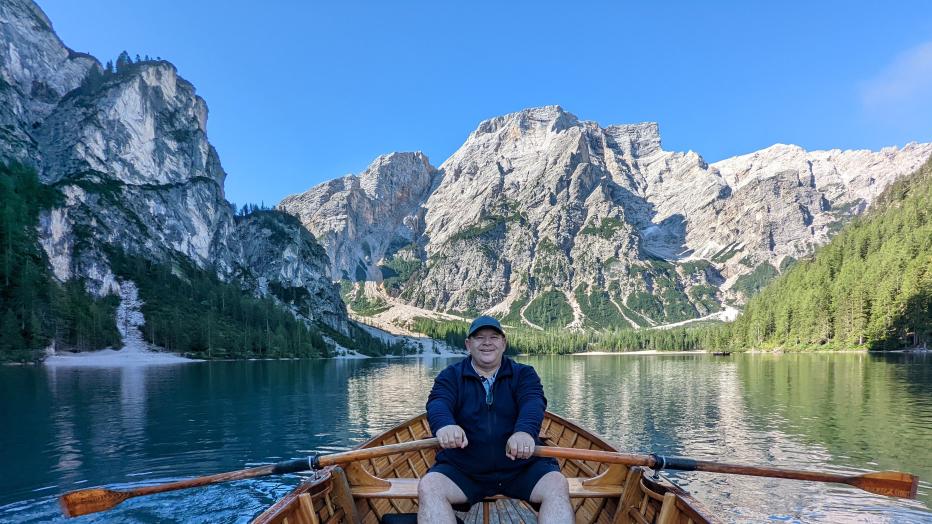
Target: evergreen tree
[122, 62]
[12, 339]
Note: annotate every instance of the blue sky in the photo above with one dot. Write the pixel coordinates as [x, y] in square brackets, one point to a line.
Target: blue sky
[303, 92]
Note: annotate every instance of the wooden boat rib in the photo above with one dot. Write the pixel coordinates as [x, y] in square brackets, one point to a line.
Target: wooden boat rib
[368, 490]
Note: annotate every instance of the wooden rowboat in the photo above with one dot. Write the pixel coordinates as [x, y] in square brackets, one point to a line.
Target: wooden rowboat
[367, 490]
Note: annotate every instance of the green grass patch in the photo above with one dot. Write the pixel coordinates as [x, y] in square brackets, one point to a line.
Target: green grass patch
[676, 305]
[598, 308]
[549, 309]
[695, 266]
[354, 296]
[484, 229]
[725, 253]
[397, 271]
[605, 229]
[513, 317]
[631, 314]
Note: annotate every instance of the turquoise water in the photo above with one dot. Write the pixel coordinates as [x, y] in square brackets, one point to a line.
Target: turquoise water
[72, 428]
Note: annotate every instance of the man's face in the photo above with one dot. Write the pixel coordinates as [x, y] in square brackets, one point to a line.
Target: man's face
[486, 347]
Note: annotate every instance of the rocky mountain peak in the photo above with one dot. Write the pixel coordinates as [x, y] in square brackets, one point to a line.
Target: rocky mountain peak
[394, 173]
[552, 119]
[156, 130]
[33, 59]
[36, 71]
[636, 140]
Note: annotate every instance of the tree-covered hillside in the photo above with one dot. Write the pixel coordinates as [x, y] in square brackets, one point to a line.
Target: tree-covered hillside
[522, 339]
[35, 310]
[871, 286]
[187, 309]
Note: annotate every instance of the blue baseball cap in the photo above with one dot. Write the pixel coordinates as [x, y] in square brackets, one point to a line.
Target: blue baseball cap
[484, 321]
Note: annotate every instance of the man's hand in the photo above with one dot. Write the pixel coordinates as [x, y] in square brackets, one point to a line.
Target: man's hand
[452, 436]
[519, 446]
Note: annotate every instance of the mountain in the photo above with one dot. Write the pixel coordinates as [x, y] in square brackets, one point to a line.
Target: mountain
[870, 286]
[551, 221]
[362, 218]
[127, 150]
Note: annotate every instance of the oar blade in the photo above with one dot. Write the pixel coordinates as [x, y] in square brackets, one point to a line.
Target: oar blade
[82, 502]
[888, 483]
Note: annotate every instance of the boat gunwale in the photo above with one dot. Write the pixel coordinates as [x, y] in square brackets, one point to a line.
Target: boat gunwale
[657, 482]
[311, 486]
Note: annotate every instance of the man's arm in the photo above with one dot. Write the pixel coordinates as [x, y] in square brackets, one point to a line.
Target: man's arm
[531, 406]
[531, 402]
[440, 404]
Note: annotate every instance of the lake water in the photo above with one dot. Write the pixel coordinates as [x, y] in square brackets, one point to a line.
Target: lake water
[69, 428]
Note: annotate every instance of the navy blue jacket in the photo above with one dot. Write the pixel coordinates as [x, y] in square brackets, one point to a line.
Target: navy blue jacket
[458, 397]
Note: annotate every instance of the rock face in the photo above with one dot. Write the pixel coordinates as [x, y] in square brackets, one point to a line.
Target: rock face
[786, 201]
[36, 71]
[129, 152]
[284, 260]
[551, 221]
[133, 157]
[363, 219]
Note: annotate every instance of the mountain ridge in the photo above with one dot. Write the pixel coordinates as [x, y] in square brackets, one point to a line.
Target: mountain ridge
[605, 215]
[128, 151]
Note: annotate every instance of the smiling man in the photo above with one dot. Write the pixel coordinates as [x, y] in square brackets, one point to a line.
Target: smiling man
[487, 410]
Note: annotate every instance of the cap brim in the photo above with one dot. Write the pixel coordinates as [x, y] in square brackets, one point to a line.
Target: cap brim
[490, 326]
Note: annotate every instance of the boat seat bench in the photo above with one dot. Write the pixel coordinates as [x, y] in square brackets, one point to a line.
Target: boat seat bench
[406, 488]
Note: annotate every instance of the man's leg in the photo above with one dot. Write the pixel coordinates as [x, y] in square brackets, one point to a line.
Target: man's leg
[435, 494]
[553, 494]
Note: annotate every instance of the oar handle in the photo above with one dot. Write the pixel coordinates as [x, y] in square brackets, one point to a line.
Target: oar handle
[380, 451]
[594, 455]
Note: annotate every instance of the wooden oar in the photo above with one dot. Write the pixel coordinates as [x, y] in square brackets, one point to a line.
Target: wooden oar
[92, 500]
[888, 483]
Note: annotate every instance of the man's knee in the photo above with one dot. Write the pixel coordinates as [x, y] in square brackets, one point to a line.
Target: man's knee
[438, 487]
[551, 485]
[429, 486]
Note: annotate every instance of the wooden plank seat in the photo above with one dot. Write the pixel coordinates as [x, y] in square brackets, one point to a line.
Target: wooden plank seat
[407, 489]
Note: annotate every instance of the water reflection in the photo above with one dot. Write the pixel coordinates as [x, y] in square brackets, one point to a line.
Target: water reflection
[76, 427]
[728, 410]
[377, 396]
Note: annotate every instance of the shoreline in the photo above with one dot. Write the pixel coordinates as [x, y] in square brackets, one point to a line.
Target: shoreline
[117, 358]
[642, 352]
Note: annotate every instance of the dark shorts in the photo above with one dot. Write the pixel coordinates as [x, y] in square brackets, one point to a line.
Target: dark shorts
[517, 485]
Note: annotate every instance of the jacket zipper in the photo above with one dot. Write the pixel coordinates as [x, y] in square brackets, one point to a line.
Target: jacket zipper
[490, 420]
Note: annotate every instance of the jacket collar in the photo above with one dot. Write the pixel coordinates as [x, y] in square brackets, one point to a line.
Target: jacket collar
[503, 371]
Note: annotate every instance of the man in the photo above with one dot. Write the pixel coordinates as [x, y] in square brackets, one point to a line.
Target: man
[486, 411]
